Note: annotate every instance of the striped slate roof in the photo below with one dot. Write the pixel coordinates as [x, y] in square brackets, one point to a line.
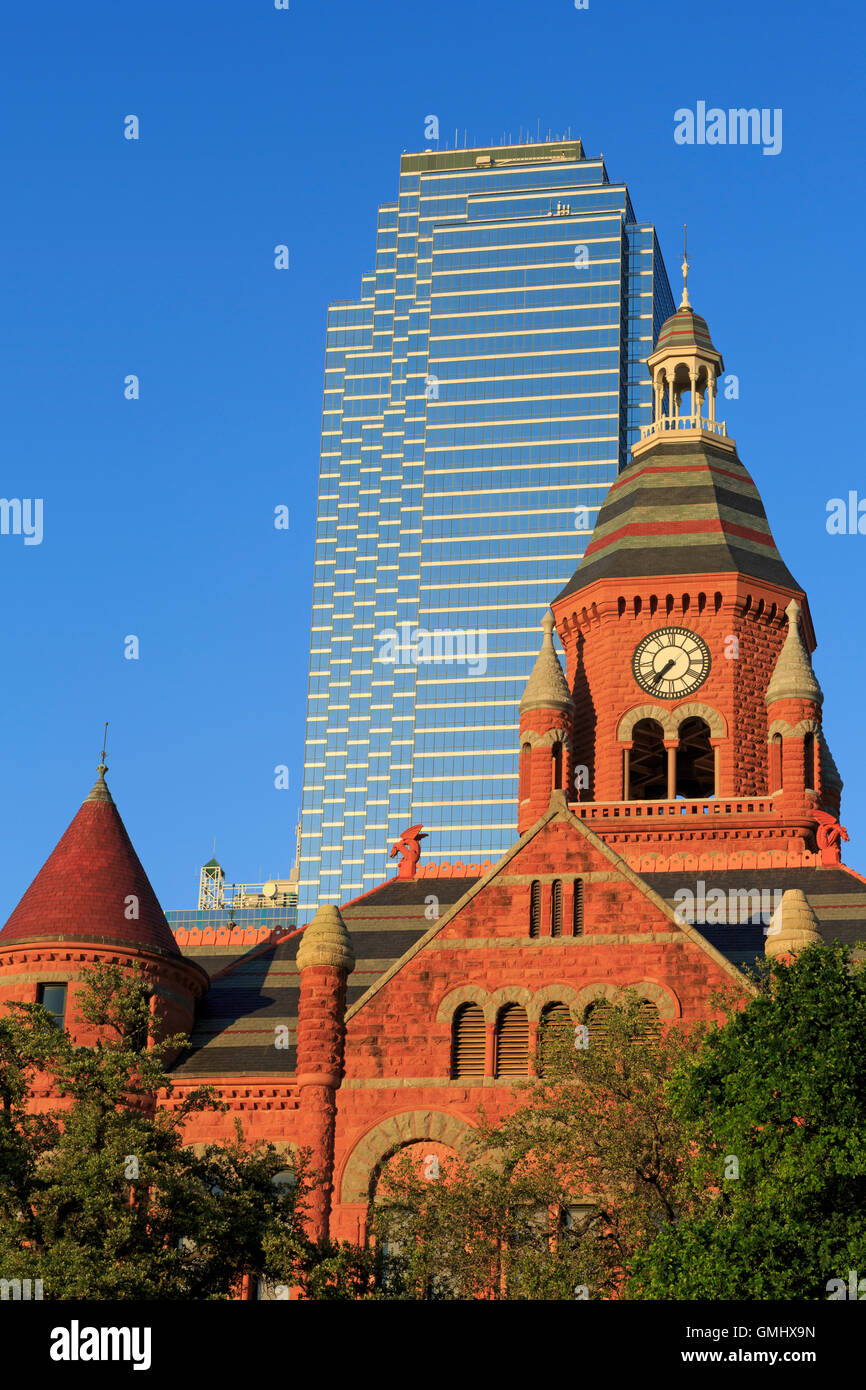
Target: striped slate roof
[685, 329]
[837, 896]
[256, 991]
[683, 507]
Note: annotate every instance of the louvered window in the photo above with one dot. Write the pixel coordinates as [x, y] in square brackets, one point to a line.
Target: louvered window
[535, 910]
[556, 908]
[577, 910]
[598, 1022]
[555, 1024]
[512, 1041]
[467, 1041]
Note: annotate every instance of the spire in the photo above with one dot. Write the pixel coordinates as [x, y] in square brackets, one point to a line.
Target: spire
[547, 687]
[326, 942]
[99, 791]
[92, 887]
[793, 926]
[684, 302]
[793, 677]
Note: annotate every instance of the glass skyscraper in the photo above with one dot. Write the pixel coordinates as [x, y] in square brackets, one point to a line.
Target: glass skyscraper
[480, 397]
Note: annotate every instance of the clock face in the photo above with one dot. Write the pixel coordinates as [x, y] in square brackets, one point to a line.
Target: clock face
[671, 663]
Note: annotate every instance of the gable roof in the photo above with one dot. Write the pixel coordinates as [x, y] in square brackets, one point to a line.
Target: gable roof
[557, 811]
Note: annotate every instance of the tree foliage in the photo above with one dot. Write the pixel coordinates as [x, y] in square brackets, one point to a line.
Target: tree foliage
[775, 1108]
[99, 1197]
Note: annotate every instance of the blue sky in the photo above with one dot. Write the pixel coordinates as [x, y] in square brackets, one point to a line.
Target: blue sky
[155, 257]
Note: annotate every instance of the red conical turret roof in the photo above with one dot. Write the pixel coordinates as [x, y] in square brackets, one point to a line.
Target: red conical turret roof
[89, 884]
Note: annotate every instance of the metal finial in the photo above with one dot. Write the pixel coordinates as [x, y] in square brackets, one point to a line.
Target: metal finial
[102, 769]
[684, 302]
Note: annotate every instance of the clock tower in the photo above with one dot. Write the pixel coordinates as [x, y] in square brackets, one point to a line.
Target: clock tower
[688, 642]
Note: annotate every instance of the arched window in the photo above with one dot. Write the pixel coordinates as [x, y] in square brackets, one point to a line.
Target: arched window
[467, 1041]
[776, 763]
[648, 778]
[557, 766]
[809, 761]
[512, 1041]
[525, 755]
[577, 909]
[554, 1025]
[556, 908]
[535, 910]
[696, 760]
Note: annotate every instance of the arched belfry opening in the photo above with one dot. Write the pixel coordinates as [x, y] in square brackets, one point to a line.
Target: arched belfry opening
[696, 761]
[647, 764]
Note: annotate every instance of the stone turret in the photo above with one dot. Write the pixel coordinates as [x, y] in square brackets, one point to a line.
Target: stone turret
[794, 699]
[793, 926]
[546, 733]
[93, 902]
[325, 961]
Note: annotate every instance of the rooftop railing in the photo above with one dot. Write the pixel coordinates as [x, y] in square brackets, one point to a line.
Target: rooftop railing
[667, 424]
[666, 810]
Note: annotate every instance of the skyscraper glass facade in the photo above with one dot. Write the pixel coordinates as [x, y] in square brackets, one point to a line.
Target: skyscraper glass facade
[480, 397]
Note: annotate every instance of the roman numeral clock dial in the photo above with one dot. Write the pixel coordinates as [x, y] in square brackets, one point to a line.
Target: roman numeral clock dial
[671, 663]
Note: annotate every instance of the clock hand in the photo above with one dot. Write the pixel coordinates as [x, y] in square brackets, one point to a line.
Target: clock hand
[657, 677]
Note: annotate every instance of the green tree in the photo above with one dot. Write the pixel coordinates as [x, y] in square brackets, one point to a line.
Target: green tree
[100, 1199]
[775, 1108]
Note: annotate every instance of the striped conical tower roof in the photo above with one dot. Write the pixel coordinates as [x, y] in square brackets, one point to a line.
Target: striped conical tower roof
[92, 888]
[683, 507]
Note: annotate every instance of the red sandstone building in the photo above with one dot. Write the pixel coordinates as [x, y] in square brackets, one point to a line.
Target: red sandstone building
[675, 790]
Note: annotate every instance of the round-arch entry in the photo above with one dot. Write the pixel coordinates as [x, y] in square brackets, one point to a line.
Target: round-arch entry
[379, 1143]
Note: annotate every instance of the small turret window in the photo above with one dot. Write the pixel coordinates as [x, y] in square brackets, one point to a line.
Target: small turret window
[525, 756]
[557, 766]
[809, 762]
[53, 998]
[776, 763]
